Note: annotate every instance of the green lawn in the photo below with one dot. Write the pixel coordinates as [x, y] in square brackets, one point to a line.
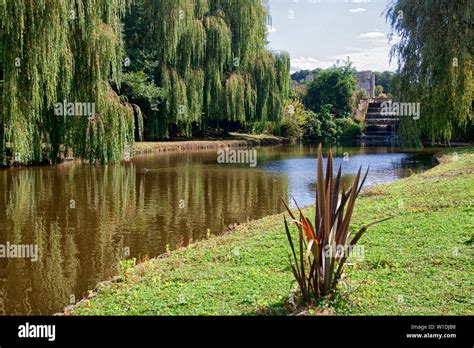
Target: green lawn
[419, 263]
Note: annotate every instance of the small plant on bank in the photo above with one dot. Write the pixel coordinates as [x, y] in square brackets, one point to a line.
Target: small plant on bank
[322, 248]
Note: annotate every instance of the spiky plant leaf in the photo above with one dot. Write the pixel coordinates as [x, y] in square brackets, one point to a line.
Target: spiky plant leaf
[314, 263]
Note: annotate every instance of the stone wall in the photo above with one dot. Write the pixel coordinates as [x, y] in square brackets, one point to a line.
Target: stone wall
[366, 80]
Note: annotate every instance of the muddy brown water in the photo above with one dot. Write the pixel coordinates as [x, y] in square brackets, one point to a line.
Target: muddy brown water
[84, 219]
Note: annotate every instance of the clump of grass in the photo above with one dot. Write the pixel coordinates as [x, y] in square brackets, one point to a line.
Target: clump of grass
[323, 248]
[127, 269]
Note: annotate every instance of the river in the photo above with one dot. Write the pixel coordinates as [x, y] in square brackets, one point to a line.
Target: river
[83, 219]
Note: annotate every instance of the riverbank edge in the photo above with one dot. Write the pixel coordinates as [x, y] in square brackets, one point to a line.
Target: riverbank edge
[441, 159]
[234, 140]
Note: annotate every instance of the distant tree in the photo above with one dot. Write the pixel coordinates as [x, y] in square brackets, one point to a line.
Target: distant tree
[386, 80]
[293, 119]
[300, 75]
[378, 90]
[334, 86]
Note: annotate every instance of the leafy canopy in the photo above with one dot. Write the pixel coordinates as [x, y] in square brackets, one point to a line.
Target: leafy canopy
[334, 86]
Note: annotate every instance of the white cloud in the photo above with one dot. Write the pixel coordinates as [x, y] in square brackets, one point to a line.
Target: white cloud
[359, 1]
[357, 10]
[373, 35]
[376, 58]
[271, 29]
[308, 63]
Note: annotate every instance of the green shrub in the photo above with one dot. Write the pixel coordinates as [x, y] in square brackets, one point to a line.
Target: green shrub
[293, 119]
[361, 94]
[263, 127]
[320, 127]
[311, 127]
[290, 128]
[349, 129]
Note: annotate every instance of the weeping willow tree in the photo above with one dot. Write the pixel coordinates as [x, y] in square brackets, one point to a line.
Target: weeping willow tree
[62, 51]
[209, 58]
[435, 64]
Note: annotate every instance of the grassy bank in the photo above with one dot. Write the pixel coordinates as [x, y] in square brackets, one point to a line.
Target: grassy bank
[420, 262]
[232, 140]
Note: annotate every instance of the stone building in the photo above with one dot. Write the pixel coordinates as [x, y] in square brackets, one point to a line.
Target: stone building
[309, 78]
[366, 80]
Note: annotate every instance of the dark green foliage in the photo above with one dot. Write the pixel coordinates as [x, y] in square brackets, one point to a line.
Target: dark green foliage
[334, 86]
[311, 127]
[321, 127]
[143, 93]
[349, 129]
[329, 130]
[136, 85]
[300, 75]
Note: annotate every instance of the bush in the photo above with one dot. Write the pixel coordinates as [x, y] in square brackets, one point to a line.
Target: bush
[361, 94]
[263, 127]
[293, 119]
[290, 128]
[349, 129]
[320, 127]
[311, 127]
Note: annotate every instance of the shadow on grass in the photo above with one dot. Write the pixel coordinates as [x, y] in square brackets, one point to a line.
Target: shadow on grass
[335, 306]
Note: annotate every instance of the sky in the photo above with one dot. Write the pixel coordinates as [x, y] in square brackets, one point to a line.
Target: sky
[317, 33]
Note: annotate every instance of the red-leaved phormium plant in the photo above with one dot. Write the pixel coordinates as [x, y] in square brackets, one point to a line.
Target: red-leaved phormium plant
[322, 248]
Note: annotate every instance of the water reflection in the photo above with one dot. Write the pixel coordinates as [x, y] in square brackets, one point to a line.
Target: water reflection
[85, 218]
[386, 165]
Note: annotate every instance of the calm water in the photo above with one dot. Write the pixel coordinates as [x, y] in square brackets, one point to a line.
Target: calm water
[85, 218]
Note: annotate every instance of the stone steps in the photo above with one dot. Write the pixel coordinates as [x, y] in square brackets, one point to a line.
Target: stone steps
[380, 128]
[382, 121]
[379, 114]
